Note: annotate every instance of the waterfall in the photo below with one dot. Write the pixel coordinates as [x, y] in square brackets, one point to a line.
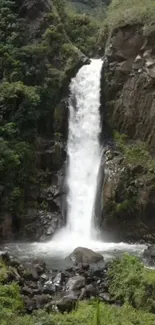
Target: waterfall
[84, 162]
[83, 149]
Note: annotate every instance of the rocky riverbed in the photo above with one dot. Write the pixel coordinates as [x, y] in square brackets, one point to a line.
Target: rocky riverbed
[42, 287]
[55, 290]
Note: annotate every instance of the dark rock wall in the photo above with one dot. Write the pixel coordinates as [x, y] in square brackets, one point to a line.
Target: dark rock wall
[130, 79]
[127, 197]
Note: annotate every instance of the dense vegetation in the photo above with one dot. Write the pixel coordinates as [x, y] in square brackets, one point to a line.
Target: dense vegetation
[39, 50]
[127, 12]
[95, 8]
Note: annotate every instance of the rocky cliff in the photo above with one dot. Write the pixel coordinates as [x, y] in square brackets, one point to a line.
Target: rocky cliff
[128, 98]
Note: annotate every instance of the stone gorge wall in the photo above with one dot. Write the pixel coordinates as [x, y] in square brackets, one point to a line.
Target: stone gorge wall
[130, 77]
[127, 198]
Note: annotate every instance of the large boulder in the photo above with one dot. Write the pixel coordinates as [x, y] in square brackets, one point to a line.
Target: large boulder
[75, 283]
[84, 255]
[67, 303]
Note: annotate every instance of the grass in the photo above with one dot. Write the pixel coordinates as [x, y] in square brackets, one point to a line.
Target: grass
[85, 315]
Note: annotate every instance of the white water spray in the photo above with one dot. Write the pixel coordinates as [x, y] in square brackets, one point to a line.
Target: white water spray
[83, 149]
[84, 159]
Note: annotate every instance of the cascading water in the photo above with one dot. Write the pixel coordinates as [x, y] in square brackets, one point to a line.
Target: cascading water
[84, 154]
[83, 149]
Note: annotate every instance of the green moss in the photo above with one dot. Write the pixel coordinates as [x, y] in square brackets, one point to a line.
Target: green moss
[127, 206]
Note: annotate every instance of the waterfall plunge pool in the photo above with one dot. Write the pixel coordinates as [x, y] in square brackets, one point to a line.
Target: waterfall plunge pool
[54, 253]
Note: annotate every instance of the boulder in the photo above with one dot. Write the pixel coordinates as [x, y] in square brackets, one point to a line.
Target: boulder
[84, 255]
[67, 303]
[88, 292]
[75, 283]
[41, 300]
[49, 287]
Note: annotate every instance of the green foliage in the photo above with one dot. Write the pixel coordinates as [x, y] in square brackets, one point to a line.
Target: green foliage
[10, 299]
[96, 9]
[127, 12]
[82, 31]
[17, 166]
[18, 104]
[123, 12]
[3, 271]
[35, 67]
[85, 315]
[134, 153]
[9, 26]
[127, 206]
[131, 282]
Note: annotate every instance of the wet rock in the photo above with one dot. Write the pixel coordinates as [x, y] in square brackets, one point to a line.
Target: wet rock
[138, 63]
[53, 157]
[41, 300]
[58, 279]
[67, 303]
[84, 255]
[30, 273]
[51, 306]
[29, 304]
[27, 291]
[105, 297]
[5, 258]
[149, 255]
[39, 285]
[75, 283]
[44, 277]
[88, 292]
[14, 263]
[40, 266]
[49, 287]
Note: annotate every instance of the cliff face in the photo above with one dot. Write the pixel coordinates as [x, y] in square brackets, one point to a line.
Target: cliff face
[130, 77]
[128, 94]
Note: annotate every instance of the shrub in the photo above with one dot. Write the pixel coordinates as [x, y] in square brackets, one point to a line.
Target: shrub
[85, 315]
[131, 282]
[123, 12]
[134, 153]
